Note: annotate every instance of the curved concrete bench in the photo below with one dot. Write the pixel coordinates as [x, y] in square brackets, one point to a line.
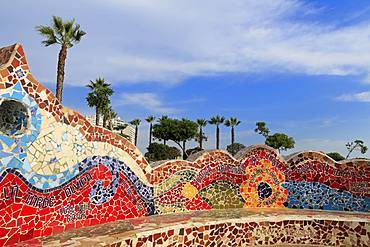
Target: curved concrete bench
[230, 227]
[58, 172]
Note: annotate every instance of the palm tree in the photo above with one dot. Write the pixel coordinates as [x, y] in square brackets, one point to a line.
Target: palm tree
[150, 120]
[217, 120]
[232, 122]
[99, 96]
[120, 128]
[201, 124]
[108, 116]
[136, 122]
[65, 34]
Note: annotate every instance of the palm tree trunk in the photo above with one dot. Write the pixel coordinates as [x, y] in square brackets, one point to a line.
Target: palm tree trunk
[217, 137]
[350, 151]
[97, 116]
[104, 120]
[136, 130]
[200, 138]
[150, 133]
[60, 72]
[184, 155]
[232, 135]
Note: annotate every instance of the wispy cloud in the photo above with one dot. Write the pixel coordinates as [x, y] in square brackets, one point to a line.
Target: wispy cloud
[170, 41]
[149, 101]
[356, 97]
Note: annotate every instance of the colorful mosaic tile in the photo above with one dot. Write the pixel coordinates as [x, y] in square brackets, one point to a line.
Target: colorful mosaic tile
[59, 172]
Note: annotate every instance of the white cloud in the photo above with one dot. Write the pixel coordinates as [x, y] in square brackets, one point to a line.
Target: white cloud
[150, 101]
[170, 40]
[356, 97]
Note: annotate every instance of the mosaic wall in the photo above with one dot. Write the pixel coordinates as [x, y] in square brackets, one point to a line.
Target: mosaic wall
[57, 171]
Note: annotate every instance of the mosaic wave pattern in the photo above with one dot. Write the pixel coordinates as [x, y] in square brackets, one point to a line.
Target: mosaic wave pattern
[58, 172]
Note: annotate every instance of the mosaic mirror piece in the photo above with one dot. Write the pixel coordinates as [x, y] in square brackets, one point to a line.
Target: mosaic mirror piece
[59, 172]
[14, 118]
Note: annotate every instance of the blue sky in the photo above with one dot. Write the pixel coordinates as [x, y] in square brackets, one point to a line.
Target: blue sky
[301, 66]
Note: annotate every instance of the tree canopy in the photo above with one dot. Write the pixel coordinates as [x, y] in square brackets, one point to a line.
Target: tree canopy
[232, 122]
[234, 148]
[178, 131]
[217, 120]
[262, 129]
[61, 32]
[335, 156]
[99, 95]
[280, 141]
[157, 151]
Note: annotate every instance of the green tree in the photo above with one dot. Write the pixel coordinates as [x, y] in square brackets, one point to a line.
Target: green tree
[356, 145]
[262, 129]
[232, 122]
[335, 156]
[178, 131]
[161, 133]
[187, 130]
[150, 120]
[157, 151]
[235, 148]
[98, 97]
[217, 120]
[201, 124]
[136, 122]
[120, 128]
[108, 115]
[65, 34]
[280, 141]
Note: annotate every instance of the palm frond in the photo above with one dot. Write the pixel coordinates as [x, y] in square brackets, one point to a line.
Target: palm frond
[64, 33]
[135, 122]
[68, 27]
[49, 42]
[202, 122]
[77, 33]
[58, 25]
[150, 119]
[228, 123]
[45, 31]
[217, 120]
[48, 33]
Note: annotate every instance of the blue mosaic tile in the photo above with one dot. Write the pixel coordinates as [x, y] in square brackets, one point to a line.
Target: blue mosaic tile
[314, 195]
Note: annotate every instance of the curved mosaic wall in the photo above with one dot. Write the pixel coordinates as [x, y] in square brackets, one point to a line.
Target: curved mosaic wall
[57, 171]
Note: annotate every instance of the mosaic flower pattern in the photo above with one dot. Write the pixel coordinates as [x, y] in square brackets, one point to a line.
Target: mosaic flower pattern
[262, 187]
[189, 191]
